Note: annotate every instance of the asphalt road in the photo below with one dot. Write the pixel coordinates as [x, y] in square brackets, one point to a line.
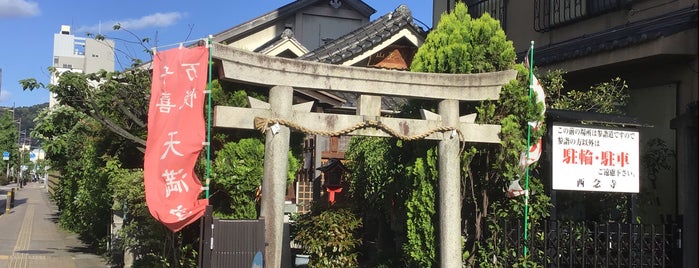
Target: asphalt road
[30, 236]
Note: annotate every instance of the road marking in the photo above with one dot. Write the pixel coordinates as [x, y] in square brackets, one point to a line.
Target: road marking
[34, 257]
[19, 260]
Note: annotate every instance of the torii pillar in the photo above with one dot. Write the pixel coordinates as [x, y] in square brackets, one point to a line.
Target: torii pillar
[284, 76]
[274, 176]
[449, 168]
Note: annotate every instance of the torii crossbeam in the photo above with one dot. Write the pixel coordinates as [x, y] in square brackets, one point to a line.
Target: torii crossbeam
[282, 76]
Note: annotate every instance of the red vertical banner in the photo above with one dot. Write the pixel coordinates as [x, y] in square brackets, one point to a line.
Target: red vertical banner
[176, 132]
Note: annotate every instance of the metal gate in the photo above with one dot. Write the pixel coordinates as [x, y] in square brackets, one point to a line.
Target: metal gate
[231, 243]
[592, 244]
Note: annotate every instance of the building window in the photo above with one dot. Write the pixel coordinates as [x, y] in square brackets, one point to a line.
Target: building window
[496, 8]
[549, 14]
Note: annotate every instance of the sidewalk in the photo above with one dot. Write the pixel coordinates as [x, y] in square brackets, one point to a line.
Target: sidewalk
[30, 237]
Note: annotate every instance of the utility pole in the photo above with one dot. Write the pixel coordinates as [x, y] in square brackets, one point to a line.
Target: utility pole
[19, 150]
[19, 146]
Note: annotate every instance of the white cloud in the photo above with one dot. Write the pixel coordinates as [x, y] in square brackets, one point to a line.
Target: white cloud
[154, 20]
[149, 21]
[5, 95]
[18, 8]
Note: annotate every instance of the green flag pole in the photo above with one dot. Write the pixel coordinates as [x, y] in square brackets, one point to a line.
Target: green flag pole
[208, 122]
[529, 133]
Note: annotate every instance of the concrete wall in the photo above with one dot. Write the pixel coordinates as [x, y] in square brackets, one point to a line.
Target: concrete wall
[76, 63]
[99, 55]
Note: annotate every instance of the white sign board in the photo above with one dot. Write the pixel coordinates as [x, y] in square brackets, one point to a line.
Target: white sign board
[588, 158]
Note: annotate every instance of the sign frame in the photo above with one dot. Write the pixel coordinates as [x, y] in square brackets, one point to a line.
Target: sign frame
[594, 158]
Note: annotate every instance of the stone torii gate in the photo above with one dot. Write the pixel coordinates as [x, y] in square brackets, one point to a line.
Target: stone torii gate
[284, 75]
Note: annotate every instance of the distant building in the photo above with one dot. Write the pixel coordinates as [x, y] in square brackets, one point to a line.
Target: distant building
[80, 54]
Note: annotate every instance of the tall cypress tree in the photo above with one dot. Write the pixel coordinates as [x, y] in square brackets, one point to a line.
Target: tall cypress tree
[460, 44]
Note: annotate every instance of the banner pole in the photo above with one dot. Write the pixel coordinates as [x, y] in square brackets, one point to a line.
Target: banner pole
[529, 132]
[208, 122]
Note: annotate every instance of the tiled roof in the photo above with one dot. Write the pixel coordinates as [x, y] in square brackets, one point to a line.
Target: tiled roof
[362, 40]
[286, 36]
[365, 38]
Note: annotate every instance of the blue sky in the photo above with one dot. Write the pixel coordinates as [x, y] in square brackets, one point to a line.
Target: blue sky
[28, 26]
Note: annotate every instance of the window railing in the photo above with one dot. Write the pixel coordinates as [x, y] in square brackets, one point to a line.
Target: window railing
[549, 14]
[496, 8]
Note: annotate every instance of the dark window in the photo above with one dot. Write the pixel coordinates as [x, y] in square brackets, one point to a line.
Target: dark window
[549, 14]
[496, 8]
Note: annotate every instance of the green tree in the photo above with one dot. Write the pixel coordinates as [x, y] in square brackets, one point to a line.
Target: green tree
[17, 123]
[8, 142]
[237, 166]
[460, 44]
[75, 145]
[237, 173]
[236, 170]
[95, 139]
[117, 100]
[607, 97]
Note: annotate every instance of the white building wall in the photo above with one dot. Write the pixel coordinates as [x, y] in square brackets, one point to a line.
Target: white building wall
[259, 38]
[63, 44]
[99, 55]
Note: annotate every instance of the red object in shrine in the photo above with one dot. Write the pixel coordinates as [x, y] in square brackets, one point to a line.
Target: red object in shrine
[333, 173]
[331, 193]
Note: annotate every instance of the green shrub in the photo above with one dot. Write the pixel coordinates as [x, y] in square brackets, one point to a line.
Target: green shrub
[329, 238]
[4, 180]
